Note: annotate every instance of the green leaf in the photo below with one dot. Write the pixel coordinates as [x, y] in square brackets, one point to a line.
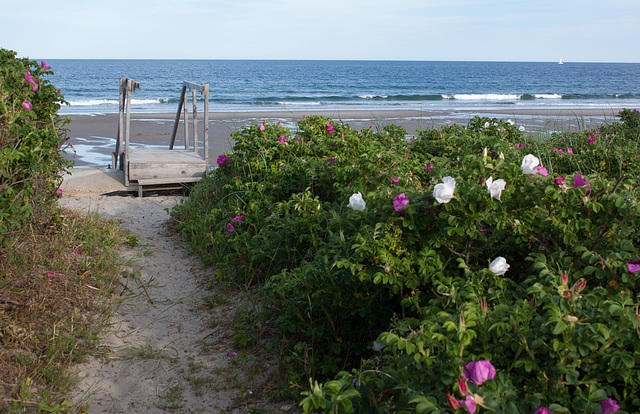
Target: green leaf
[597, 395]
[450, 326]
[604, 331]
[560, 327]
[627, 360]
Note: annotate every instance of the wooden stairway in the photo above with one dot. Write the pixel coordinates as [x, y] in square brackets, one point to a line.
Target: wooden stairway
[163, 169]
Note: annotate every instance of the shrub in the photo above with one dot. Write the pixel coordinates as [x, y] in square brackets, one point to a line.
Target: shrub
[393, 301]
[31, 138]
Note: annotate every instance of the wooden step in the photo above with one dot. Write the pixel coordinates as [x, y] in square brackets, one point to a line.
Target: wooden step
[169, 180]
[164, 184]
[165, 164]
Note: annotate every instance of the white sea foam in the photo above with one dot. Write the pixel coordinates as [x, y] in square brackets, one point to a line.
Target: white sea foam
[300, 103]
[482, 97]
[93, 102]
[97, 102]
[373, 96]
[547, 96]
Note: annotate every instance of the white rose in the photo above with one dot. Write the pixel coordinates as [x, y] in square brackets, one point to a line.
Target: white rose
[495, 187]
[356, 202]
[529, 162]
[521, 129]
[499, 266]
[443, 192]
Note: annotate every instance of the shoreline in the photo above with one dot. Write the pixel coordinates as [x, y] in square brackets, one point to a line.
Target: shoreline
[92, 137]
[551, 110]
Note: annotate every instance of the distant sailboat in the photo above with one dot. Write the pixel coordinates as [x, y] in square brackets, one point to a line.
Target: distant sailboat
[560, 62]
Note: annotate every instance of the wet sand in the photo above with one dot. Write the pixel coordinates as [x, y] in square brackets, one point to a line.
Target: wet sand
[92, 137]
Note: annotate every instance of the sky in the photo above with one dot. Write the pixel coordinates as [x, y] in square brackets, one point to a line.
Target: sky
[449, 30]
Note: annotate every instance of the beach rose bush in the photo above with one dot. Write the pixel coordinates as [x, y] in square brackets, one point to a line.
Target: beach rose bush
[610, 149]
[32, 136]
[386, 309]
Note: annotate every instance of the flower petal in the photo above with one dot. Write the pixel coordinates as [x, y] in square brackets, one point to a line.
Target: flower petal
[400, 202]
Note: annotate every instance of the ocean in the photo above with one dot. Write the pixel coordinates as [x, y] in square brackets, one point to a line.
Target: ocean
[91, 86]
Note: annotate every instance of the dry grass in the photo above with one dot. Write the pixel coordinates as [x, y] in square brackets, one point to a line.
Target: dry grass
[53, 281]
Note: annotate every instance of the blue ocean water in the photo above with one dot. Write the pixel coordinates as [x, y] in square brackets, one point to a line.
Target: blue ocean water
[91, 86]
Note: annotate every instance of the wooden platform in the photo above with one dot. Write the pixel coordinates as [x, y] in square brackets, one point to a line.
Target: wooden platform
[155, 169]
[165, 164]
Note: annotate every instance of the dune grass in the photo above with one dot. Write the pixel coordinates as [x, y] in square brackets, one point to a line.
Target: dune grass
[58, 277]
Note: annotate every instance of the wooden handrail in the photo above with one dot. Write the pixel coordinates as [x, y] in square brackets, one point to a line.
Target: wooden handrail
[182, 106]
[177, 120]
[121, 155]
[127, 86]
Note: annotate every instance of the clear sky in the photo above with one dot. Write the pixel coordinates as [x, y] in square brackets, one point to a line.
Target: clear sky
[488, 30]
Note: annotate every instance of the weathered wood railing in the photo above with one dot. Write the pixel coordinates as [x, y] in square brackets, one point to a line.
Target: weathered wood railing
[153, 167]
[194, 88]
[119, 156]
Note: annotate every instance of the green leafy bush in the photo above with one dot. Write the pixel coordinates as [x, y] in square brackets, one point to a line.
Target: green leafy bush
[393, 300]
[31, 137]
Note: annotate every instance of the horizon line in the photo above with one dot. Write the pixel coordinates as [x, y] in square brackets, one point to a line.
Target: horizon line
[347, 60]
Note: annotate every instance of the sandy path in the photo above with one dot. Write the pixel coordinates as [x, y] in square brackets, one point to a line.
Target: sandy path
[173, 354]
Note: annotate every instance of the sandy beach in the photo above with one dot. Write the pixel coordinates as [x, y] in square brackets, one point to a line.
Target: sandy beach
[92, 137]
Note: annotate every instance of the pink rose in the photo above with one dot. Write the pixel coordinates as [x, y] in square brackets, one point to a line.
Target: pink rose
[479, 372]
[400, 202]
[633, 266]
[541, 170]
[29, 78]
[609, 406]
[579, 181]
